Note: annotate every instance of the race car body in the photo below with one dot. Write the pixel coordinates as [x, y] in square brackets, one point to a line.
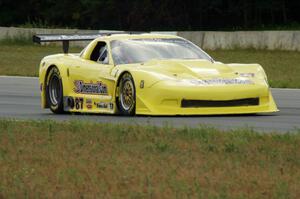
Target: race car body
[149, 74]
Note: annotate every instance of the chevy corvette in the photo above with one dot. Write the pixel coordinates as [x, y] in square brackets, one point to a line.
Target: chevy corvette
[148, 74]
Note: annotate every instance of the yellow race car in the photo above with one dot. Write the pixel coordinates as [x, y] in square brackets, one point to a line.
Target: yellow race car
[148, 74]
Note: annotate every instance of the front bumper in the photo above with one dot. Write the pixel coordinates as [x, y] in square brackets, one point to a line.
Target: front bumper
[166, 99]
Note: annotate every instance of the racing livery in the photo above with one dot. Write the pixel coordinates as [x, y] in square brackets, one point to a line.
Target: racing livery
[148, 74]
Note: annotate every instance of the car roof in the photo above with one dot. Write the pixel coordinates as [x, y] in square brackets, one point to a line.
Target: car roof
[136, 36]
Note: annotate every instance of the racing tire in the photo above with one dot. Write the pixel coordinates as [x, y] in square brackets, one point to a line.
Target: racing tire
[54, 91]
[127, 95]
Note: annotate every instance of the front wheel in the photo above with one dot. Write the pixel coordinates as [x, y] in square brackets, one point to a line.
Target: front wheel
[126, 100]
[54, 91]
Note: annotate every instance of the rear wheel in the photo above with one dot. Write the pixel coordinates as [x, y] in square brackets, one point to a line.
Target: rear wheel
[54, 91]
[126, 100]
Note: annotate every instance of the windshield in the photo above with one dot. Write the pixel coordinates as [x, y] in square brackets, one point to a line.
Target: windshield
[143, 50]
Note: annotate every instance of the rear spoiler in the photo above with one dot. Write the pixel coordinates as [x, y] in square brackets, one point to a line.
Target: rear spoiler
[66, 38]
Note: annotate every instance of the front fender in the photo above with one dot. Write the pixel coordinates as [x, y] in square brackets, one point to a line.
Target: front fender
[148, 77]
[257, 69]
[143, 79]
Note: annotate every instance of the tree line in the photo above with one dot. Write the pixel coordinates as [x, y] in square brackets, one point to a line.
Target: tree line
[152, 14]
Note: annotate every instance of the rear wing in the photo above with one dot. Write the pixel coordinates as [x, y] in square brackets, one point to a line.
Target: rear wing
[66, 38]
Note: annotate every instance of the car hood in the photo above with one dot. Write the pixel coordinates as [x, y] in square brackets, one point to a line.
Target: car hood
[198, 69]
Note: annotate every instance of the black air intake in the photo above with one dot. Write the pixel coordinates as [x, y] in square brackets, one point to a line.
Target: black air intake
[223, 103]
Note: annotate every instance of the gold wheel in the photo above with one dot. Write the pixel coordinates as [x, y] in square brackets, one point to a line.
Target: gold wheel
[127, 95]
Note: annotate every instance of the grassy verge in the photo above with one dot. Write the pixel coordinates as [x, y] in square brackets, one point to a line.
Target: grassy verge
[88, 160]
[282, 67]
[24, 60]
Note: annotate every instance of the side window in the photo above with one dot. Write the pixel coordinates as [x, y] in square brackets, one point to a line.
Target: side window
[99, 53]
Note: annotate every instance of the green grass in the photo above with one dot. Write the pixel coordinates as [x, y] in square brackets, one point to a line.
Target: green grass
[17, 40]
[282, 67]
[22, 59]
[75, 159]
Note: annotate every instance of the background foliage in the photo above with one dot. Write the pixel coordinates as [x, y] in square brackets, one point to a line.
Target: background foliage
[153, 14]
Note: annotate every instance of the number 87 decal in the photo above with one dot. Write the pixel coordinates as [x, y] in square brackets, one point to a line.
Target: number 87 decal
[78, 103]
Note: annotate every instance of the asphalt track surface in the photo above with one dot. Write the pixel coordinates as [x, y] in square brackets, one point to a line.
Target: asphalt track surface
[20, 99]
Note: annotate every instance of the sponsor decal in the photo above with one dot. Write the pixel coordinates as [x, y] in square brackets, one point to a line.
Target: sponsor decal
[89, 103]
[222, 81]
[104, 105]
[90, 88]
[142, 84]
[101, 105]
[89, 106]
[247, 74]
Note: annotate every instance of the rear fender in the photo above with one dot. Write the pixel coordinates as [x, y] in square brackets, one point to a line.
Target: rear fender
[44, 72]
